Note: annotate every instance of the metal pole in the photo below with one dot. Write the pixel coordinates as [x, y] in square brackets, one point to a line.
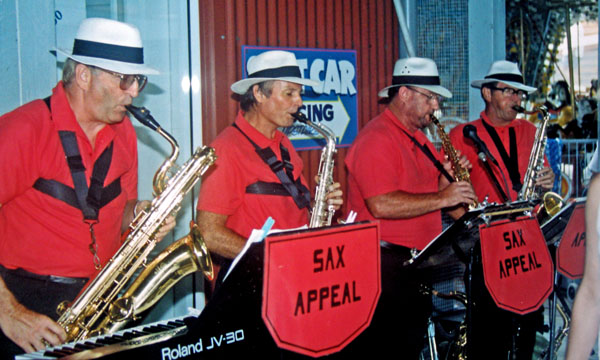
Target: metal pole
[570, 53]
[522, 44]
[578, 59]
[404, 28]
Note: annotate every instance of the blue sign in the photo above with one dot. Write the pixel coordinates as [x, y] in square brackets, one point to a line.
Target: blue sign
[332, 104]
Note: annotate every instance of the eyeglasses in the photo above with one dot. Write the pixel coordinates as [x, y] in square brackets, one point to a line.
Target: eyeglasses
[508, 91]
[428, 96]
[127, 80]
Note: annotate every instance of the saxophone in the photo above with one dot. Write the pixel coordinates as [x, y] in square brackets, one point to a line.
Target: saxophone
[460, 173]
[322, 213]
[552, 202]
[98, 309]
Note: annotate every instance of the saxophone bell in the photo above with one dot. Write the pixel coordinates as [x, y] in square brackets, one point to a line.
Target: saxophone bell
[551, 201]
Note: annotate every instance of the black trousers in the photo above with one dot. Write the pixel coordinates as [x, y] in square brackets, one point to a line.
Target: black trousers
[399, 325]
[38, 293]
[497, 333]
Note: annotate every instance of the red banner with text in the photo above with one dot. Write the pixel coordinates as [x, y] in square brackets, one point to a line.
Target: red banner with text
[517, 266]
[321, 287]
[570, 254]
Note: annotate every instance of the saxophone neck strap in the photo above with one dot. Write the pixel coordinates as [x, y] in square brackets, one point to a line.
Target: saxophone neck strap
[284, 171]
[510, 161]
[425, 149]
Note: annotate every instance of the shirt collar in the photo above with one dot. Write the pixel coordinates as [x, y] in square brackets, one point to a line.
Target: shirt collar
[261, 140]
[64, 117]
[418, 135]
[485, 118]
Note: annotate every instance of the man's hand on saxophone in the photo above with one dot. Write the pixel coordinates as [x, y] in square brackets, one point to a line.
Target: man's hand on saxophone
[459, 193]
[334, 194]
[166, 227]
[545, 178]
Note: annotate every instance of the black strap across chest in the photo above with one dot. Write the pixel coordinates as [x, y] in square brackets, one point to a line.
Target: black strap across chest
[431, 157]
[510, 161]
[284, 171]
[88, 200]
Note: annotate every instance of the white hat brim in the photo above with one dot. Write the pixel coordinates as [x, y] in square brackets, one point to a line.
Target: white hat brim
[112, 65]
[437, 89]
[479, 83]
[241, 86]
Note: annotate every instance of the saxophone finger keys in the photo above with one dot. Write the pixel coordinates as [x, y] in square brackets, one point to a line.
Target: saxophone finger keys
[450, 167]
[545, 178]
[334, 196]
[165, 228]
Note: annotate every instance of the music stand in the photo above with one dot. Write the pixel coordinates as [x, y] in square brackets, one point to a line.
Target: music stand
[458, 242]
[553, 230]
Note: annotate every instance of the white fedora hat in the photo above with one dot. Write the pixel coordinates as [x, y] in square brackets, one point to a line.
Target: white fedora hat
[506, 72]
[417, 72]
[109, 45]
[271, 65]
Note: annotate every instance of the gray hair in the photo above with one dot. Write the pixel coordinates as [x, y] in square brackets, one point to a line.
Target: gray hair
[68, 73]
[248, 101]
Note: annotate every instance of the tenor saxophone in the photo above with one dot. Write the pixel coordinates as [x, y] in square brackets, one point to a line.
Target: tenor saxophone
[460, 173]
[100, 308]
[552, 202]
[322, 214]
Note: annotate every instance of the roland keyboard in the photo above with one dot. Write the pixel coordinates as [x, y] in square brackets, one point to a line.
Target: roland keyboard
[121, 340]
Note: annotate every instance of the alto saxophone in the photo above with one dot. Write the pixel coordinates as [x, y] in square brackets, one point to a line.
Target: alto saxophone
[552, 202]
[322, 213]
[460, 173]
[98, 309]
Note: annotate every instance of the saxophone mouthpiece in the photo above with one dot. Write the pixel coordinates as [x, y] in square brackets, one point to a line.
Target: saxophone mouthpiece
[519, 109]
[143, 116]
[299, 116]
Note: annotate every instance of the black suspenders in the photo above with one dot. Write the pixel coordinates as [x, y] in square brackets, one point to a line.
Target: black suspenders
[431, 157]
[511, 162]
[88, 200]
[283, 170]
[91, 200]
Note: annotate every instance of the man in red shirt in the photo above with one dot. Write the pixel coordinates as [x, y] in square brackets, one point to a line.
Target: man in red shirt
[395, 177]
[509, 142]
[241, 191]
[69, 183]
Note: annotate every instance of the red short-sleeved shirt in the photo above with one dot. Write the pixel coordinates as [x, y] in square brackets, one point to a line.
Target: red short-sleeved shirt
[223, 189]
[482, 184]
[42, 234]
[383, 159]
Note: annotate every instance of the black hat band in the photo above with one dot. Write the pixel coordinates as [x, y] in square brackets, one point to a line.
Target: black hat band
[506, 77]
[128, 54]
[415, 80]
[284, 71]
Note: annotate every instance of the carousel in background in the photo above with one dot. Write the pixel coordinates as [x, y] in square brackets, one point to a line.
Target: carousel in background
[535, 30]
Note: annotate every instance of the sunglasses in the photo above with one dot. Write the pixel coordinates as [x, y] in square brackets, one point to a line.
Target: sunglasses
[127, 80]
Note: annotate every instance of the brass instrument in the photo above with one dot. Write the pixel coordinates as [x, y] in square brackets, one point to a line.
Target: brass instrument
[321, 213]
[551, 201]
[458, 346]
[98, 309]
[460, 173]
[558, 339]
